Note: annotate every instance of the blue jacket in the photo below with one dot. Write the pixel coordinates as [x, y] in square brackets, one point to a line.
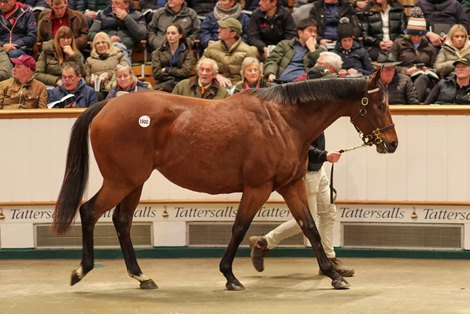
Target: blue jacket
[210, 29]
[85, 95]
[357, 58]
[23, 32]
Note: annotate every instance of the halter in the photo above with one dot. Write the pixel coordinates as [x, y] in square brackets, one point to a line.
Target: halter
[375, 136]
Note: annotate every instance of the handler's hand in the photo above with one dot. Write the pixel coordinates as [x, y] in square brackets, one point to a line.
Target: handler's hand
[333, 157]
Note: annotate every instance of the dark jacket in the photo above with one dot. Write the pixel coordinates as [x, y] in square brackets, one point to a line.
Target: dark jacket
[401, 90]
[403, 50]
[137, 87]
[317, 153]
[23, 33]
[210, 29]
[263, 32]
[446, 92]
[443, 11]
[357, 58]
[85, 95]
[372, 24]
[131, 30]
[202, 7]
[190, 87]
[93, 5]
[317, 13]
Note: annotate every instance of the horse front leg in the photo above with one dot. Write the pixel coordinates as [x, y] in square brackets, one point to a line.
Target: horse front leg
[250, 203]
[122, 219]
[296, 199]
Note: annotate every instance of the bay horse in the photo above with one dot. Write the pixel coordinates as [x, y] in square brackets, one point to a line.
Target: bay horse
[254, 142]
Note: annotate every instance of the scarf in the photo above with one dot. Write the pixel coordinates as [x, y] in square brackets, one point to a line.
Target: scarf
[234, 12]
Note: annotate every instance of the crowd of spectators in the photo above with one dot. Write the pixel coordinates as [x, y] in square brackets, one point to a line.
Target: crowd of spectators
[214, 48]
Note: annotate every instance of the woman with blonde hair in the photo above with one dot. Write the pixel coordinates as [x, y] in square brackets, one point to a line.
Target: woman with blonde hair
[252, 74]
[455, 46]
[56, 52]
[99, 67]
[126, 82]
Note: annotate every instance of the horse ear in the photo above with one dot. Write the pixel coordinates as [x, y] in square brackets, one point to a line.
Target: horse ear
[374, 78]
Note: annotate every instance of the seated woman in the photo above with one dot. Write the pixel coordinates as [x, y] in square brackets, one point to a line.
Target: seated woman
[456, 46]
[125, 82]
[173, 61]
[252, 74]
[99, 67]
[417, 56]
[56, 52]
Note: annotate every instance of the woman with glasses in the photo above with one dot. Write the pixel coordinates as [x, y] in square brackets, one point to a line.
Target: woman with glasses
[54, 53]
[125, 82]
[99, 67]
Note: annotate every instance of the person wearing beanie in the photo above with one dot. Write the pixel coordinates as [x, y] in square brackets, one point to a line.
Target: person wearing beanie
[356, 59]
[417, 55]
[440, 15]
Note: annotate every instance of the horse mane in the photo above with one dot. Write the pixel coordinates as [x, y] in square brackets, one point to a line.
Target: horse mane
[303, 92]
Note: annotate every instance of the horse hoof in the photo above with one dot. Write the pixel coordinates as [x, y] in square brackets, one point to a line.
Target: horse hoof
[234, 286]
[75, 278]
[340, 284]
[148, 284]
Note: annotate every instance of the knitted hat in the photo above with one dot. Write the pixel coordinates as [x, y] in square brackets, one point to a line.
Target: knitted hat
[231, 23]
[416, 23]
[345, 29]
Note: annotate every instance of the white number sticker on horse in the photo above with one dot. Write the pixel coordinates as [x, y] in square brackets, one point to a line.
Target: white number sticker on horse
[144, 121]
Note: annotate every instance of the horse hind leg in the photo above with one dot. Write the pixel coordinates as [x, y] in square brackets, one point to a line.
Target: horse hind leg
[122, 219]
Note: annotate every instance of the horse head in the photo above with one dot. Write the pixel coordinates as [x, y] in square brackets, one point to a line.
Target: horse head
[372, 117]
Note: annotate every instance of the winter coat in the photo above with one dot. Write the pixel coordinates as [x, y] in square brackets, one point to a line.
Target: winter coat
[263, 32]
[210, 29]
[230, 60]
[445, 92]
[189, 87]
[401, 90]
[131, 29]
[357, 58]
[31, 95]
[282, 54]
[137, 87]
[163, 17]
[92, 5]
[446, 57]
[23, 33]
[317, 13]
[95, 65]
[445, 11]
[404, 51]
[48, 69]
[85, 95]
[202, 7]
[5, 65]
[241, 85]
[172, 75]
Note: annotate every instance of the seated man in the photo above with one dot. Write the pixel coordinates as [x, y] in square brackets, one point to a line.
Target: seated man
[59, 15]
[18, 28]
[22, 91]
[270, 24]
[204, 84]
[73, 83]
[229, 51]
[122, 22]
[454, 89]
[400, 88]
[292, 58]
[5, 66]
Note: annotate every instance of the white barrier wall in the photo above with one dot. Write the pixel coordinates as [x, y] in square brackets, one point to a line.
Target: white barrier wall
[429, 169]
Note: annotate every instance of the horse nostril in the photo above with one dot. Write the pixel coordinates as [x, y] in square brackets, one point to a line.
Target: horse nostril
[392, 146]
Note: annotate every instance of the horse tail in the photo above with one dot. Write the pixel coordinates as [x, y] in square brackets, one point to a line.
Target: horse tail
[76, 171]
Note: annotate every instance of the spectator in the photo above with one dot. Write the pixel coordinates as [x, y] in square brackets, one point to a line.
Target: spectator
[229, 51]
[56, 52]
[173, 62]
[327, 13]
[440, 15]
[223, 9]
[251, 5]
[126, 82]
[73, 84]
[18, 30]
[175, 11]
[417, 56]
[383, 21]
[292, 58]
[328, 65]
[252, 74]
[269, 24]
[50, 20]
[5, 65]
[454, 89]
[122, 22]
[204, 84]
[22, 91]
[455, 46]
[89, 8]
[356, 60]
[202, 7]
[99, 67]
[151, 4]
[400, 88]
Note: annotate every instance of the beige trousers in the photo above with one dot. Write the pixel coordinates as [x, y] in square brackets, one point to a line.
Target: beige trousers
[323, 212]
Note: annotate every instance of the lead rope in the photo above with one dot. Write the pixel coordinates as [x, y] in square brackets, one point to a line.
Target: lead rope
[332, 189]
